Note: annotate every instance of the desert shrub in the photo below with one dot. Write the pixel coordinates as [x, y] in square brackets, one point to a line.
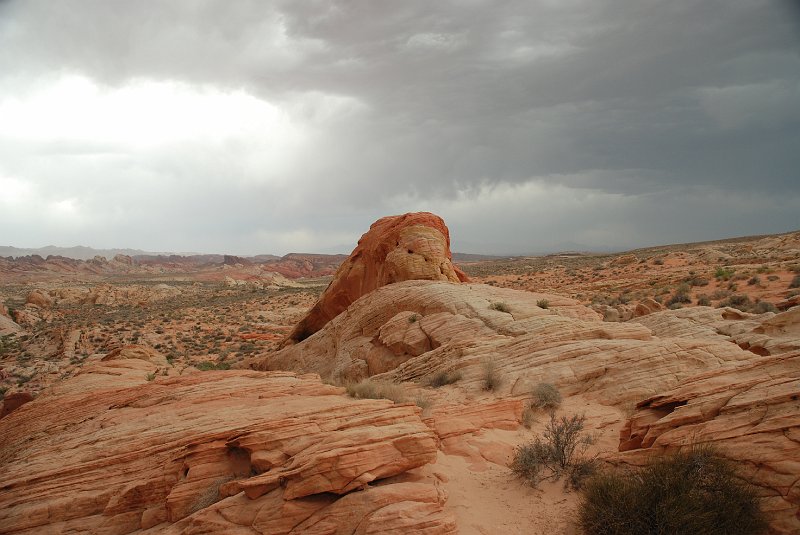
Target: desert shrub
[688, 493]
[491, 377]
[369, 389]
[500, 307]
[443, 377]
[150, 376]
[754, 280]
[207, 365]
[741, 302]
[546, 396]
[423, 402]
[412, 318]
[720, 294]
[3, 390]
[694, 280]
[762, 307]
[680, 296]
[543, 303]
[658, 261]
[764, 269]
[795, 282]
[557, 453]
[723, 273]
[703, 300]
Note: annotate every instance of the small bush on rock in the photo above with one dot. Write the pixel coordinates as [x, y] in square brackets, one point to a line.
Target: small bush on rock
[368, 389]
[491, 377]
[688, 493]
[546, 396]
[500, 307]
[558, 453]
[442, 378]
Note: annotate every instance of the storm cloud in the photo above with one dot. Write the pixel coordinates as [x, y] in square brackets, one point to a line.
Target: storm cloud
[256, 127]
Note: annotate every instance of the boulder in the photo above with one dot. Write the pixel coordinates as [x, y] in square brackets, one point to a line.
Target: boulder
[414, 246]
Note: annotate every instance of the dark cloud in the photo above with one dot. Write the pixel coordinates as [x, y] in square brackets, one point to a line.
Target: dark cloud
[444, 105]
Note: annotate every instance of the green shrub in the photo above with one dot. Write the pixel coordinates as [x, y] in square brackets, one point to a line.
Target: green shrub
[543, 303]
[695, 492]
[443, 377]
[763, 306]
[723, 273]
[703, 300]
[557, 453]
[741, 302]
[546, 396]
[369, 389]
[500, 307]
[207, 365]
[491, 377]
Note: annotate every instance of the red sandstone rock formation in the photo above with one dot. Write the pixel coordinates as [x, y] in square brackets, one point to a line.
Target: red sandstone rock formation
[751, 412]
[411, 330]
[396, 248]
[213, 452]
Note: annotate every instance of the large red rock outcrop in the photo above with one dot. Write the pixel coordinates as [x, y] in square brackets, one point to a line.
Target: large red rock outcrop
[411, 330]
[115, 451]
[396, 248]
[751, 412]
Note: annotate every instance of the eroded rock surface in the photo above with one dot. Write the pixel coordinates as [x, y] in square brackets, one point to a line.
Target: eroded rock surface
[413, 246]
[115, 450]
[411, 330]
[751, 412]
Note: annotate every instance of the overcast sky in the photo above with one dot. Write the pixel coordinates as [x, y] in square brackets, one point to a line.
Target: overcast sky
[274, 126]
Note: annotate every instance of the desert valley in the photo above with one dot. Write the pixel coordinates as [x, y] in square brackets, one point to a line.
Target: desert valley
[388, 391]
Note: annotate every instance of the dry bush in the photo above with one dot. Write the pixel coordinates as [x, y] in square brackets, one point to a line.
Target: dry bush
[369, 389]
[546, 396]
[491, 377]
[500, 307]
[559, 452]
[696, 492]
[443, 377]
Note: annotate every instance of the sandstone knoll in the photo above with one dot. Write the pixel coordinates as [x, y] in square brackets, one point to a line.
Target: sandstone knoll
[764, 334]
[412, 246]
[110, 451]
[751, 412]
[409, 331]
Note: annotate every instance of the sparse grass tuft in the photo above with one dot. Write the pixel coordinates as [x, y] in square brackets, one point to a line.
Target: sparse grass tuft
[491, 377]
[543, 303]
[691, 492]
[369, 389]
[443, 377]
[500, 307]
[150, 376]
[546, 396]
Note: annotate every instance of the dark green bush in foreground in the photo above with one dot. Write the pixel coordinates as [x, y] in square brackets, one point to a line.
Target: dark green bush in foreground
[690, 493]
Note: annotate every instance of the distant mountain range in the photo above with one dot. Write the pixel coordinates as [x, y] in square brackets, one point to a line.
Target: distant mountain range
[81, 252]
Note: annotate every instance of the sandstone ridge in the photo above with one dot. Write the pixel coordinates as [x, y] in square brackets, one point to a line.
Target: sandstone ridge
[413, 246]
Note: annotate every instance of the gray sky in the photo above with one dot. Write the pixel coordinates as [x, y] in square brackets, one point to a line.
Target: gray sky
[268, 127]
